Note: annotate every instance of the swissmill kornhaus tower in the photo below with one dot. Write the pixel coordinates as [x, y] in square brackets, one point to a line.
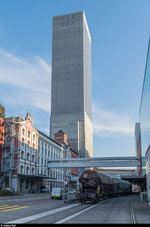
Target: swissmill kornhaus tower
[71, 91]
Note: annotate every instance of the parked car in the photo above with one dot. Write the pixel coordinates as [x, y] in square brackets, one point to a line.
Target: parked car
[72, 190]
[6, 189]
[44, 189]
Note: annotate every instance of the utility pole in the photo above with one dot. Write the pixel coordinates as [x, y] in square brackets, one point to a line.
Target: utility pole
[66, 171]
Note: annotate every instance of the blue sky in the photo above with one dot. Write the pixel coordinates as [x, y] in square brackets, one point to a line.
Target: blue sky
[119, 31]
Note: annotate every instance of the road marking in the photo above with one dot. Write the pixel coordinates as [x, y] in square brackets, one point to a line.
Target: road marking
[40, 215]
[6, 208]
[76, 214]
[17, 208]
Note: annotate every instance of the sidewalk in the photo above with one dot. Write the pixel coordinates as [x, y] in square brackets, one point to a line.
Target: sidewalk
[28, 195]
[141, 211]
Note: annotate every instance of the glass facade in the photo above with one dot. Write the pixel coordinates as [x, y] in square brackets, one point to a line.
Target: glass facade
[145, 108]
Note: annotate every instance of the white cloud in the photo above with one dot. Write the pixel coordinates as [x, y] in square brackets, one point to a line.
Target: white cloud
[109, 124]
[25, 81]
[29, 80]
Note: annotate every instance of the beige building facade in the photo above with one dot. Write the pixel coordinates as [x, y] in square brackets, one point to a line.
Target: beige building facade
[71, 91]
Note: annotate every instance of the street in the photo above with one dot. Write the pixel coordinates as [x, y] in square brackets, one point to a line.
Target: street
[40, 208]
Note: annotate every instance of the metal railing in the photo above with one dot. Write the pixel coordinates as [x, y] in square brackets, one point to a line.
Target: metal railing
[129, 161]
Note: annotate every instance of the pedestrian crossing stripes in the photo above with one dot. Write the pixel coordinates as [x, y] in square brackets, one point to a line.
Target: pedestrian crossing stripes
[5, 208]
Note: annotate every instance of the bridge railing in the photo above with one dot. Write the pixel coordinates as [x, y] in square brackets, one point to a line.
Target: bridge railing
[129, 161]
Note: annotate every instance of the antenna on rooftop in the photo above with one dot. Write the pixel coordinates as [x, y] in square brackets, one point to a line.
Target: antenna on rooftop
[43, 125]
[29, 108]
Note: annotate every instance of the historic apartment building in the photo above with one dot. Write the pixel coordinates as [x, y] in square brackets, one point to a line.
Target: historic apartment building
[71, 173]
[71, 86]
[62, 139]
[49, 149]
[20, 153]
[25, 157]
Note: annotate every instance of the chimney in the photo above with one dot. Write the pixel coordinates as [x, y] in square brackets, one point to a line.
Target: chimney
[61, 137]
[28, 117]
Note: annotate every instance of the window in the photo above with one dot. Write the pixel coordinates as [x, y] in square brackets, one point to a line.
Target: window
[22, 142]
[21, 169]
[34, 146]
[28, 144]
[23, 131]
[28, 156]
[22, 154]
[33, 137]
[32, 171]
[28, 134]
[33, 158]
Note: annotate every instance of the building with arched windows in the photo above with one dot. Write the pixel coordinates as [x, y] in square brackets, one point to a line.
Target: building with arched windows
[49, 149]
[25, 157]
[19, 161]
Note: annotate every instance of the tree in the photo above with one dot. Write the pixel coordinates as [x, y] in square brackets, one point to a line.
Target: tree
[2, 111]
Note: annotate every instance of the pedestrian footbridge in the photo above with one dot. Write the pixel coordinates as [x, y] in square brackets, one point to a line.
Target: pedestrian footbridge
[129, 161]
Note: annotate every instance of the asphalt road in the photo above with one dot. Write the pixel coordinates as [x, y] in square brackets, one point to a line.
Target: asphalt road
[39, 208]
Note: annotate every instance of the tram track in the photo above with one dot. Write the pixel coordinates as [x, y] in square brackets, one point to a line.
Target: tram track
[132, 213]
[113, 212]
[111, 215]
[84, 209]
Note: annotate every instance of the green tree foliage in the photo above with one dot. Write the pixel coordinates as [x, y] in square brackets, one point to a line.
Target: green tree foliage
[2, 111]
